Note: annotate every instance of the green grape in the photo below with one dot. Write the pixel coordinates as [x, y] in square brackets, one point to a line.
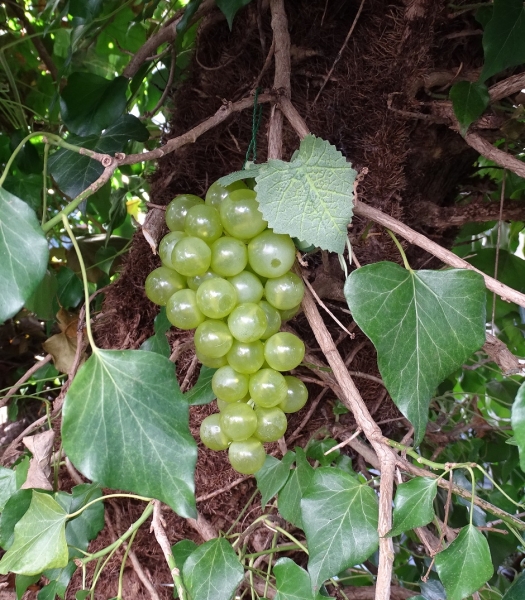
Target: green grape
[286, 315]
[212, 435]
[246, 357]
[273, 318]
[213, 339]
[249, 287]
[182, 310]
[284, 292]
[247, 322]
[271, 254]
[296, 397]
[167, 243]
[217, 193]
[162, 283]
[267, 388]
[211, 362]
[247, 457]
[177, 209]
[194, 282]
[240, 215]
[284, 351]
[271, 424]
[216, 297]
[204, 222]
[238, 421]
[228, 256]
[229, 385]
[191, 256]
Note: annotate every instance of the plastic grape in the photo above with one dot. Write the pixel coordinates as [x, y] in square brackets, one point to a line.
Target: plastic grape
[273, 318]
[204, 222]
[247, 457]
[240, 215]
[229, 385]
[162, 283]
[212, 435]
[284, 292]
[296, 397]
[216, 298]
[246, 357]
[249, 287]
[182, 310]
[213, 338]
[194, 282]
[284, 351]
[191, 256]
[167, 243]
[286, 315]
[267, 388]
[217, 193]
[211, 362]
[238, 421]
[178, 208]
[271, 254]
[271, 424]
[228, 256]
[247, 322]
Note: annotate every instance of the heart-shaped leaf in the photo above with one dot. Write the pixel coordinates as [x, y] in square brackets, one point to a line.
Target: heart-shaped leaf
[413, 504]
[469, 100]
[201, 392]
[424, 325]
[340, 517]
[516, 590]
[289, 499]
[230, 8]
[272, 476]
[125, 425]
[293, 582]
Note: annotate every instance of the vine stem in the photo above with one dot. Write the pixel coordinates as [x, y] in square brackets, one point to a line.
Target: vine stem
[401, 251]
[102, 498]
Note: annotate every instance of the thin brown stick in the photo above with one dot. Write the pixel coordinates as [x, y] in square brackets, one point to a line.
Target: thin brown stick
[501, 158]
[507, 87]
[307, 416]
[24, 378]
[498, 243]
[203, 527]
[223, 489]
[167, 89]
[189, 374]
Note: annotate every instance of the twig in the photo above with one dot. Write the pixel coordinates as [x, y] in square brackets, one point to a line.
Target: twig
[167, 89]
[189, 374]
[344, 442]
[506, 87]
[24, 378]
[340, 53]
[498, 244]
[501, 158]
[307, 416]
[203, 527]
[223, 489]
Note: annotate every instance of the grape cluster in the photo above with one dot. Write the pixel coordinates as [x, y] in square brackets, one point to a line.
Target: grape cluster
[227, 275]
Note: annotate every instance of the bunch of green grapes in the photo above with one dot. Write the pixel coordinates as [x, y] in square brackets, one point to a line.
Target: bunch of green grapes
[227, 275]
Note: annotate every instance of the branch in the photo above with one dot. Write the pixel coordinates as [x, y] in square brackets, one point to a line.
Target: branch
[511, 85]
[501, 158]
[24, 378]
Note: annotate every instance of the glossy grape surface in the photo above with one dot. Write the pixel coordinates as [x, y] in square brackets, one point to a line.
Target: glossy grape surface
[182, 310]
[191, 256]
[216, 298]
[273, 318]
[247, 457]
[213, 338]
[229, 385]
[217, 193]
[271, 254]
[248, 285]
[284, 351]
[247, 322]
[238, 421]
[296, 396]
[204, 222]
[271, 424]
[162, 283]
[212, 435]
[194, 282]
[178, 208]
[167, 243]
[228, 256]
[246, 357]
[240, 215]
[284, 292]
[267, 388]
[211, 362]
[286, 315]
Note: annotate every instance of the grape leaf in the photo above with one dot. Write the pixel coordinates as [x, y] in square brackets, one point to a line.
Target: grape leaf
[465, 565]
[413, 504]
[518, 423]
[273, 475]
[230, 8]
[516, 590]
[212, 571]
[289, 499]
[201, 392]
[340, 518]
[125, 425]
[309, 198]
[40, 539]
[469, 100]
[293, 582]
[424, 325]
[503, 39]
[23, 254]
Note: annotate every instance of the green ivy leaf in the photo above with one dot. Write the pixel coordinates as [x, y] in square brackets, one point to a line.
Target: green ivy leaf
[230, 8]
[289, 498]
[201, 392]
[503, 39]
[212, 571]
[413, 504]
[293, 582]
[42, 301]
[22, 582]
[59, 580]
[340, 518]
[309, 198]
[518, 423]
[7, 485]
[125, 425]
[516, 590]
[272, 476]
[181, 550]
[14, 510]
[74, 172]
[159, 342]
[316, 450]
[70, 289]
[23, 254]
[28, 187]
[424, 325]
[40, 539]
[465, 565]
[469, 100]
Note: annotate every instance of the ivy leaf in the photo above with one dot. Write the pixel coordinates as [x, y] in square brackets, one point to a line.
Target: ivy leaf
[465, 565]
[518, 423]
[292, 582]
[23, 254]
[159, 343]
[212, 571]
[289, 499]
[469, 101]
[59, 580]
[74, 172]
[272, 476]
[42, 301]
[22, 583]
[125, 425]
[201, 392]
[340, 518]
[40, 539]
[230, 8]
[89, 103]
[7, 485]
[309, 198]
[14, 510]
[516, 590]
[413, 504]
[503, 39]
[424, 325]
[70, 288]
